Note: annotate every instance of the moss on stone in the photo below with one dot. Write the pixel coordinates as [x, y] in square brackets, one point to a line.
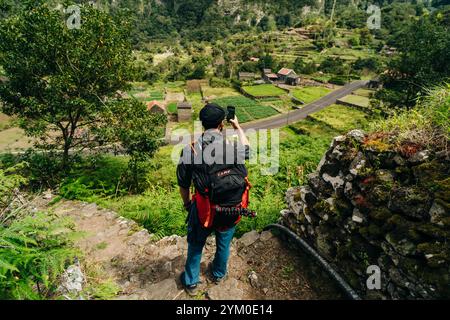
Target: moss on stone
[380, 213]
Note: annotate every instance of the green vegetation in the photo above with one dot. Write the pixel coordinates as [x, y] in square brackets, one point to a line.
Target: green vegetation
[423, 62]
[359, 101]
[34, 249]
[75, 88]
[246, 109]
[364, 93]
[310, 94]
[341, 118]
[427, 125]
[264, 90]
[172, 107]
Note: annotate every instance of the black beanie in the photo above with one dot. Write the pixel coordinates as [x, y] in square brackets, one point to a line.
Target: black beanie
[212, 115]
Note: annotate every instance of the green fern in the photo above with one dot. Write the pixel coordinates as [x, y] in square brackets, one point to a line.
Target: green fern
[34, 251]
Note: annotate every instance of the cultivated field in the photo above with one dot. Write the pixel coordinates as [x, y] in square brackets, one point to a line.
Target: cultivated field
[264, 90]
[355, 100]
[246, 109]
[341, 118]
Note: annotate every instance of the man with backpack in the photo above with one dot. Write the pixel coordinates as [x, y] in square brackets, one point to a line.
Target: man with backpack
[216, 167]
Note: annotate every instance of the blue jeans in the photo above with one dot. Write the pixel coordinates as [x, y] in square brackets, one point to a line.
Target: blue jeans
[191, 274]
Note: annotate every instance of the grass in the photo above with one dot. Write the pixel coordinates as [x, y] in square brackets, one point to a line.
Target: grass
[310, 94]
[341, 118]
[159, 208]
[13, 139]
[172, 107]
[364, 92]
[156, 95]
[428, 124]
[246, 109]
[359, 101]
[213, 93]
[264, 90]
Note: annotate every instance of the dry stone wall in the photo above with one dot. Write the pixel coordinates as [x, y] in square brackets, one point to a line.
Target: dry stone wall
[367, 205]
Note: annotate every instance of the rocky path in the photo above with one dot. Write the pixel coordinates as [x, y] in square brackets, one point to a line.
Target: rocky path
[261, 267]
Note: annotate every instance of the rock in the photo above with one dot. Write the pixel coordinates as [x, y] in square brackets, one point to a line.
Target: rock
[317, 184]
[170, 253]
[419, 157]
[385, 176]
[398, 160]
[402, 246]
[336, 182]
[72, 281]
[227, 290]
[357, 135]
[357, 216]
[265, 290]
[140, 239]
[253, 278]
[357, 164]
[90, 207]
[336, 141]
[164, 290]
[266, 236]
[249, 238]
[411, 201]
[308, 196]
[437, 213]
[48, 195]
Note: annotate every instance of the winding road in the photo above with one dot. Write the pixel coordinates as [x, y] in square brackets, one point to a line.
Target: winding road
[285, 119]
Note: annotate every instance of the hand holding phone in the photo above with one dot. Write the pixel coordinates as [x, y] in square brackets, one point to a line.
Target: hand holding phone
[231, 113]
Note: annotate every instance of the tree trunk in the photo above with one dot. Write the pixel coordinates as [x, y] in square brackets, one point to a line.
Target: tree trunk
[66, 155]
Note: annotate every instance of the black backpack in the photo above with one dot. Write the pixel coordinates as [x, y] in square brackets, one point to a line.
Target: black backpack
[225, 183]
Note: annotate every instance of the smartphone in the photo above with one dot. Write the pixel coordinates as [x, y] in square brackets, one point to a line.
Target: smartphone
[231, 113]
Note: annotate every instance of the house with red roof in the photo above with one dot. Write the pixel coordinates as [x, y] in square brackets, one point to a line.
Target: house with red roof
[156, 107]
[288, 76]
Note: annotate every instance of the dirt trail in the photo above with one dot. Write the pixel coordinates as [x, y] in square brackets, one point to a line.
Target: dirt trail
[261, 267]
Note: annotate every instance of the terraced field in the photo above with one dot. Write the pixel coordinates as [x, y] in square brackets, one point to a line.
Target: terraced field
[360, 101]
[264, 90]
[246, 109]
[341, 118]
[310, 94]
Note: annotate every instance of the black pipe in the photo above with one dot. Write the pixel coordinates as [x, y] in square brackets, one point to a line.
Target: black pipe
[322, 262]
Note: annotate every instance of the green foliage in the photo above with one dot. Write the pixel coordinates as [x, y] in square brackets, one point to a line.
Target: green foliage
[10, 182]
[219, 83]
[264, 90]
[95, 178]
[423, 61]
[310, 94]
[342, 118]
[62, 79]
[246, 109]
[427, 124]
[34, 252]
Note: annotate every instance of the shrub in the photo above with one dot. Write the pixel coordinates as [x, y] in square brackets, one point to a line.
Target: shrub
[428, 124]
[34, 252]
[219, 83]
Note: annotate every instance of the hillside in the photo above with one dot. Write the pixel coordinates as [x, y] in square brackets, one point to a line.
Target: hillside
[354, 175]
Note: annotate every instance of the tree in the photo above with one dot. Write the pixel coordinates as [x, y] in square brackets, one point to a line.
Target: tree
[63, 81]
[299, 65]
[423, 61]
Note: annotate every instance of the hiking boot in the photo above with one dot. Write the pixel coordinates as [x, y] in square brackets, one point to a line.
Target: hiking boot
[192, 290]
[214, 279]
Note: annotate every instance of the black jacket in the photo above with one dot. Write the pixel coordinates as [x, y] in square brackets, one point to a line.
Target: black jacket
[210, 149]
